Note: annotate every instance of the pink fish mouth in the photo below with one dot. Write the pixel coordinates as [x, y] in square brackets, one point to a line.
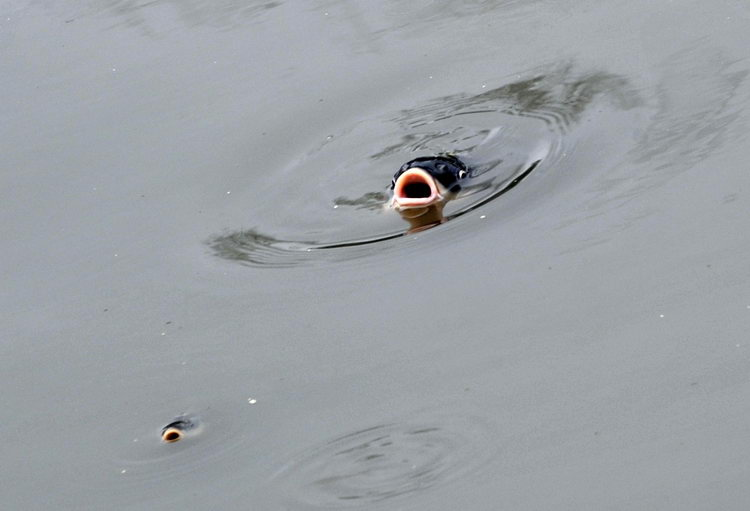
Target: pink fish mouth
[415, 188]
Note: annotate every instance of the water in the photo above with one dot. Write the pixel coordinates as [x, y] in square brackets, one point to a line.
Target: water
[172, 171]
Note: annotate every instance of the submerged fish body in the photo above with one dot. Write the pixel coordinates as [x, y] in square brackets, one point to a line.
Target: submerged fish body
[422, 186]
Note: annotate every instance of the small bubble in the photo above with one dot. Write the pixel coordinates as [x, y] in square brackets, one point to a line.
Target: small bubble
[661, 315]
[484, 85]
[164, 333]
[115, 255]
[335, 206]
[135, 440]
[123, 471]
[251, 401]
[483, 216]
[228, 192]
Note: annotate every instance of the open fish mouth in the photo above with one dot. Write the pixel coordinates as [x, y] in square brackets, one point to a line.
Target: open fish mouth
[416, 188]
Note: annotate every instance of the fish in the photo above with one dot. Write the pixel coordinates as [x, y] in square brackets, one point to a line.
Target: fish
[422, 187]
[177, 429]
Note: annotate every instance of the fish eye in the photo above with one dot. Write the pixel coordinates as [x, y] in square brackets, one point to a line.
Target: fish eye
[461, 174]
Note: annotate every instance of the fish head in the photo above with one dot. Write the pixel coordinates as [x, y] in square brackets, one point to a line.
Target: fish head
[422, 187]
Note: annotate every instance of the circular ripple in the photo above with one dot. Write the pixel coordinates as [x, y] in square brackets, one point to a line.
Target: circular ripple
[328, 203]
[388, 462]
[147, 468]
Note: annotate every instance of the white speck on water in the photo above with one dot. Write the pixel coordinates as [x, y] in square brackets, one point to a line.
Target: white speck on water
[483, 216]
[251, 401]
[661, 315]
[135, 440]
[335, 206]
[325, 14]
[114, 69]
[484, 85]
[164, 333]
[183, 363]
[228, 192]
[329, 137]
[123, 471]
[115, 255]
[430, 77]
[738, 345]
[214, 62]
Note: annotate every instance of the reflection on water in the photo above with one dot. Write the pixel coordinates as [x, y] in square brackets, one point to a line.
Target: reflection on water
[692, 122]
[462, 140]
[411, 17]
[387, 462]
[374, 201]
[557, 98]
[217, 13]
[503, 134]
[445, 8]
[696, 109]
[250, 247]
[621, 368]
[254, 248]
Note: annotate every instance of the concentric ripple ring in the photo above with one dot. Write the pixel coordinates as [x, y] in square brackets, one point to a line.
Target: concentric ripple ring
[388, 462]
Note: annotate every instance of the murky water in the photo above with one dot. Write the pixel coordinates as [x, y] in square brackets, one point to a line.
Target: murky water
[193, 229]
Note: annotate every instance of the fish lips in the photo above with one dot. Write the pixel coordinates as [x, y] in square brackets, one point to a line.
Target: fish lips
[416, 189]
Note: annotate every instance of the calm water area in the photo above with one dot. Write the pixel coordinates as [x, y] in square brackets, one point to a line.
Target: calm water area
[192, 226]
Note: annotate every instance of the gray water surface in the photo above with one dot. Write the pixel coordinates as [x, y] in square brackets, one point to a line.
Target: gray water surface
[169, 167]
